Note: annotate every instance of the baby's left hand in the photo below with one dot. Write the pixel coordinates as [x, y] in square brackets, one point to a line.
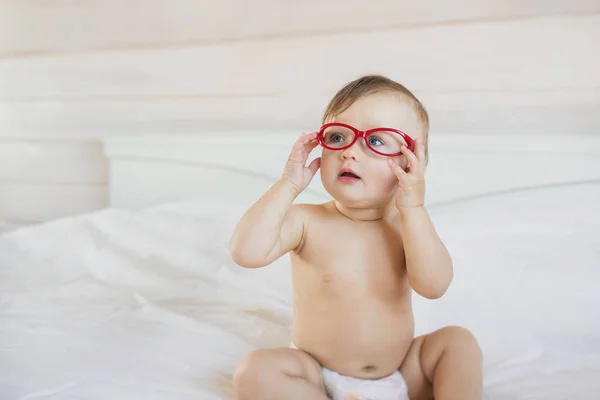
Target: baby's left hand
[411, 184]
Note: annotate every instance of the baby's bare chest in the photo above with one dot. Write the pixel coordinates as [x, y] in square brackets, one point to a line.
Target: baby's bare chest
[358, 258]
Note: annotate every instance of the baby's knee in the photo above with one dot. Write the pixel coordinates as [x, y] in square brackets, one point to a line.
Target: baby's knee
[254, 375]
[462, 338]
[250, 374]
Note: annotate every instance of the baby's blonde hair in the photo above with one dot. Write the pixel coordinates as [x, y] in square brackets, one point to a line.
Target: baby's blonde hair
[371, 84]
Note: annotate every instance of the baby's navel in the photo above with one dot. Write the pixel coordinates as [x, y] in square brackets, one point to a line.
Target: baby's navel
[326, 278]
[369, 368]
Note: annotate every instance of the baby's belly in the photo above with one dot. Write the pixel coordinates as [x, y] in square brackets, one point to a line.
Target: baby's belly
[363, 338]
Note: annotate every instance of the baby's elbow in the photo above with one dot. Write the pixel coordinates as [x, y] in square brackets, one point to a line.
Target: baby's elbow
[241, 259]
[238, 256]
[433, 290]
[432, 293]
[246, 261]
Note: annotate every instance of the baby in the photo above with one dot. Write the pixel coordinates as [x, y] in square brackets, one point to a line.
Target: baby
[355, 261]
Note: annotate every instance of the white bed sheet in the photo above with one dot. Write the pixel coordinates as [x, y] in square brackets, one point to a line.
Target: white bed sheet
[147, 304]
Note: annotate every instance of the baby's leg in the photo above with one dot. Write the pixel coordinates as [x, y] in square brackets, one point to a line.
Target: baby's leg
[446, 364]
[276, 374]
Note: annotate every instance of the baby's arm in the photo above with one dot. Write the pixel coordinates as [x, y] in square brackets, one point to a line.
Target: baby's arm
[269, 229]
[428, 262]
[273, 226]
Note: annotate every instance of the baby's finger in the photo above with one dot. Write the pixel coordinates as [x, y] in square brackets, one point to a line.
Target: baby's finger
[297, 150]
[396, 169]
[303, 150]
[309, 145]
[413, 161]
[311, 139]
[312, 135]
[306, 137]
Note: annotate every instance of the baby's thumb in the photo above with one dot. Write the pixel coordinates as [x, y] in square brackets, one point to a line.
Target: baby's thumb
[314, 166]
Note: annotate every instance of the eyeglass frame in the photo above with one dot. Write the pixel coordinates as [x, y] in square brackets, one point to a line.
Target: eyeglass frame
[365, 135]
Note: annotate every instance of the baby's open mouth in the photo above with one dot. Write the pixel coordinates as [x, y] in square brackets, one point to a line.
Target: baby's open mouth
[350, 175]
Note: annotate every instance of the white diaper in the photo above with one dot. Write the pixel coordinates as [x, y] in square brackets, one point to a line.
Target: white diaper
[392, 387]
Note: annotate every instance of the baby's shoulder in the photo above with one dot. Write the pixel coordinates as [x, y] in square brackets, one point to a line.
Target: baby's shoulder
[310, 210]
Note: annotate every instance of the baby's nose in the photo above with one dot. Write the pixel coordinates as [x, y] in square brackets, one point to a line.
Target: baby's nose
[350, 152]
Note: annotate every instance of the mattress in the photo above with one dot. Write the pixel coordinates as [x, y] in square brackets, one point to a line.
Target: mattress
[147, 304]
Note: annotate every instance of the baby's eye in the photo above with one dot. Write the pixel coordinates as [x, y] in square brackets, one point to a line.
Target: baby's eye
[336, 138]
[375, 141]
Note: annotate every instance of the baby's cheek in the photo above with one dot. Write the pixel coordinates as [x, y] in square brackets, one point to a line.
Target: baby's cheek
[326, 163]
[388, 179]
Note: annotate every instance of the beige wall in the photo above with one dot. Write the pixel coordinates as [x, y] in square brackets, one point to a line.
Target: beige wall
[72, 72]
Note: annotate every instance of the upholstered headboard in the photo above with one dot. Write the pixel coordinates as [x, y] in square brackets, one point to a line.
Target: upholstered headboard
[238, 167]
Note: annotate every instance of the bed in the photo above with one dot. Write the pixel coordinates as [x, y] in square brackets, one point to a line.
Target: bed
[142, 301]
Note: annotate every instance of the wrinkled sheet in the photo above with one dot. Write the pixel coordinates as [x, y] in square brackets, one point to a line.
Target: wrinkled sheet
[147, 304]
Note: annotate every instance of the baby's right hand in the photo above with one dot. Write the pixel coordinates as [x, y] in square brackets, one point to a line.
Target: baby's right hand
[295, 170]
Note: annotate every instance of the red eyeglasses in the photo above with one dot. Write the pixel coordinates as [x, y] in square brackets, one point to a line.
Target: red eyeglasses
[383, 141]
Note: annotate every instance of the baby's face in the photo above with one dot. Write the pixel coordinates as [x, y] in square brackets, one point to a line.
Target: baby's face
[377, 183]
